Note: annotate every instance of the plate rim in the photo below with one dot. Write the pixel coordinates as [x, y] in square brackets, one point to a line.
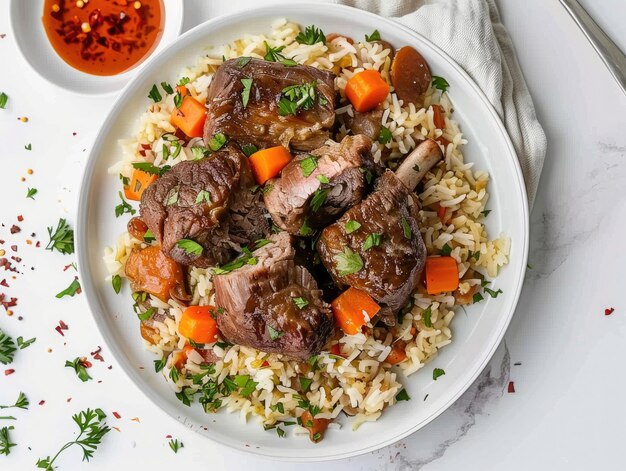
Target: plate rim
[132, 72]
[247, 15]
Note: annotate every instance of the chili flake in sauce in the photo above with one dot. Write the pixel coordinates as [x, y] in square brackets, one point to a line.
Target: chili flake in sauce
[103, 37]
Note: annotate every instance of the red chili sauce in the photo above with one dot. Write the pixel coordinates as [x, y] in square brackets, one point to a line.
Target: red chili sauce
[103, 37]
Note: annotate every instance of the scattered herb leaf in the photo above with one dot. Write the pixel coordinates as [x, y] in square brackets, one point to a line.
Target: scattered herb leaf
[308, 164]
[403, 396]
[71, 290]
[348, 262]
[274, 334]
[124, 207]
[245, 93]
[440, 83]
[311, 35]
[437, 372]
[79, 369]
[154, 94]
[351, 225]
[372, 240]
[301, 303]
[62, 239]
[190, 247]
[116, 282]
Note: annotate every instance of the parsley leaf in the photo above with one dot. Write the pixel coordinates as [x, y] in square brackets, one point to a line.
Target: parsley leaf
[485, 212]
[31, 193]
[3, 100]
[403, 396]
[25, 343]
[245, 93]
[305, 229]
[296, 97]
[318, 199]
[348, 262]
[79, 369]
[426, 317]
[308, 164]
[249, 149]
[159, 364]
[384, 136]
[311, 35]
[7, 348]
[199, 152]
[406, 228]
[351, 226]
[287, 107]
[446, 249]
[440, 83]
[437, 372]
[246, 384]
[5, 440]
[375, 36]
[203, 195]
[274, 334]
[124, 207]
[20, 403]
[190, 247]
[492, 293]
[116, 282]
[175, 445]
[149, 237]
[273, 54]
[217, 141]
[178, 99]
[167, 87]
[301, 303]
[172, 196]
[372, 240]
[323, 179]
[28, 147]
[62, 239]
[183, 81]
[154, 94]
[71, 290]
[477, 298]
[150, 168]
[305, 383]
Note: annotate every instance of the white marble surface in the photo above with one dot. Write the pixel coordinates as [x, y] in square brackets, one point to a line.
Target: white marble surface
[568, 411]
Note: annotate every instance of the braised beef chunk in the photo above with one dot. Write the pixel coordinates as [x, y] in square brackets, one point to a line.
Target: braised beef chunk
[256, 117]
[390, 270]
[368, 123]
[314, 189]
[273, 305]
[376, 246]
[209, 202]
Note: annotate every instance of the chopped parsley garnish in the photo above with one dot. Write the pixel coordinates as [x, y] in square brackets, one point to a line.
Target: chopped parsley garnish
[351, 225]
[217, 141]
[245, 93]
[172, 196]
[318, 199]
[369, 176]
[375, 36]
[243, 61]
[249, 149]
[485, 212]
[175, 445]
[267, 188]
[426, 317]
[437, 372]
[203, 196]
[183, 81]
[308, 164]
[295, 98]
[154, 94]
[348, 262]
[403, 396]
[5, 440]
[190, 247]
[311, 35]
[280, 432]
[7, 348]
[492, 293]
[62, 239]
[178, 99]
[246, 384]
[384, 136]
[440, 83]
[372, 240]
[167, 87]
[244, 259]
[25, 343]
[273, 54]
[116, 282]
[79, 369]
[323, 179]
[150, 168]
[305, 383]
[199, 152]
[28, 147]
[31, 193]
[274, 334]
[446, 249]
[149, 237]
[71, 290]
[124, 207]
[477, 298]
[3, 100]
[20, 403]
[300, 303]
[305, 229]
[406, 229]
[186, 396]
[92, 427]
[159, 364]
[261, 243]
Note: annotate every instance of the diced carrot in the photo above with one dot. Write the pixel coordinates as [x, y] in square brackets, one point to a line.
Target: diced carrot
[443, 141]
[316, 427]
[197, 324]
[366, 90]
[190, 117]
[441, 213]
[349, 308]
[335, 350]
[138, 183]
[438, 118]
[442, 275]
[152, 271]
[396, 355]
[268, 163]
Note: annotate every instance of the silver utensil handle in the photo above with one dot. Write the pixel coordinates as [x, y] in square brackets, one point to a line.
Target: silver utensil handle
[611, 55]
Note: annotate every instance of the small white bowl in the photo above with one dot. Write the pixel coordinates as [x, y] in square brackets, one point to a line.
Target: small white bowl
[35, 47]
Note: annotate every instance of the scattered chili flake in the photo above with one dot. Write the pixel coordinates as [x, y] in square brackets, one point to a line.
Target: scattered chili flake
[38, 244]
[69, 399]
[67, 267]
[61, 327]
[14, 248]
[168, 436]
[86, 363]
[2, 36]
[22, 179]
[73, 134]
[7, 304]
[17, 259]
[511, 388]
[15, 229]
[96, 354]
[265, 364]
[136, 419]
[117, 428]
[4, 283]
[8, 372]
[519, 363]
[20, 218]
[42, 402]
[110, 367]
[116, 415]
[608, 311]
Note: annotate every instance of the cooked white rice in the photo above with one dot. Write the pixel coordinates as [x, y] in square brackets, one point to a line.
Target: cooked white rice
[358, 382]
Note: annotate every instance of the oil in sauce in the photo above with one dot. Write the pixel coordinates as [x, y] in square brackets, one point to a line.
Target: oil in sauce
[103, 37]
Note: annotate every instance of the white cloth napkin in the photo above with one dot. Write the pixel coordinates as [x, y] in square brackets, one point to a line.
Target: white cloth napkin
[471, 32]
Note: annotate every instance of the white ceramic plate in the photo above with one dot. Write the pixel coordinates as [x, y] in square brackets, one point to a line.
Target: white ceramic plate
[32, 42]
[477, 333]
